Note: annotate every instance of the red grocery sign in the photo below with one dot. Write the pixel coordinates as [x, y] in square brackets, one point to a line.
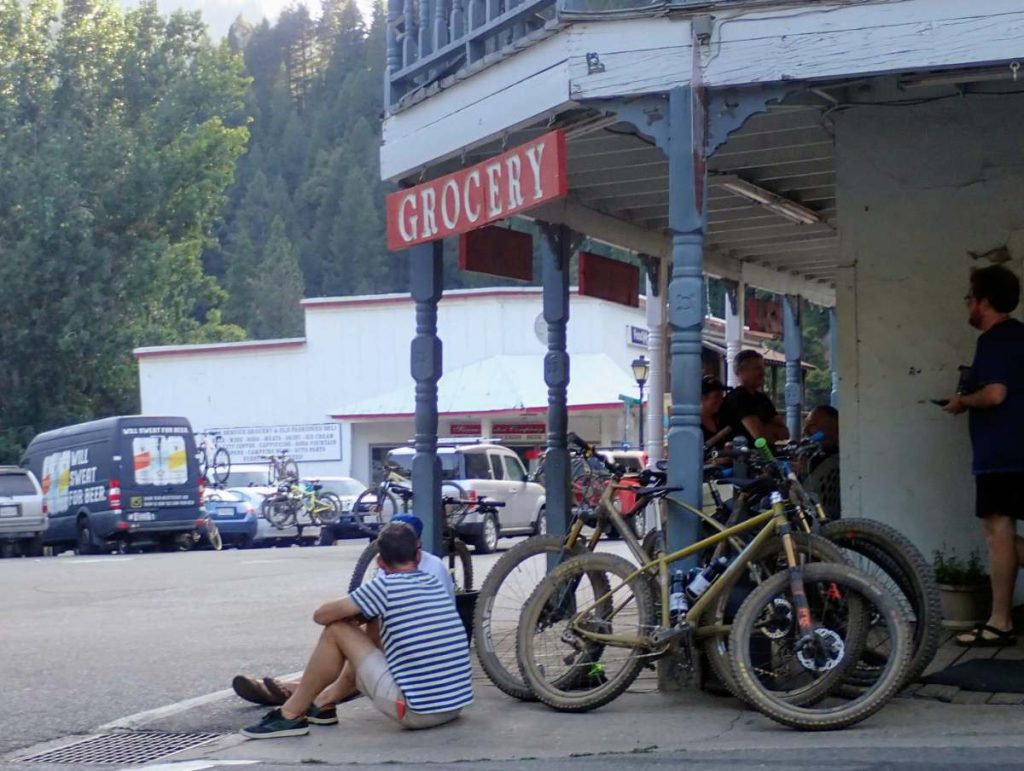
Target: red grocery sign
[510, 183]
[518, 429]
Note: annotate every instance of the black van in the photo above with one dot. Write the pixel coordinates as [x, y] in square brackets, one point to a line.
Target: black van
[117, 480]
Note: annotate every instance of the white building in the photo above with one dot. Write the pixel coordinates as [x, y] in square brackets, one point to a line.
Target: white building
[340, 396]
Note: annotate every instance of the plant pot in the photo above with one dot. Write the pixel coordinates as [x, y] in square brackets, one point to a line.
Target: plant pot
[965, 605]
[465, 604]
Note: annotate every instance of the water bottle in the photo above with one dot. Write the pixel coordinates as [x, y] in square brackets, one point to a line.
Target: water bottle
[678, 605]
[705, 578]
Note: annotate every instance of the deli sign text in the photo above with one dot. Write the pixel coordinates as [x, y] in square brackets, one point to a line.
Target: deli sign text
[507, 184]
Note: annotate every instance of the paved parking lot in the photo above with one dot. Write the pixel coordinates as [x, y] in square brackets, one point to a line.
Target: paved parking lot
[88, 640]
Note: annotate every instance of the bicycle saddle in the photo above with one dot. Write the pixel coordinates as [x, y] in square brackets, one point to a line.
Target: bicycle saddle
[655, 490]
[317, 486]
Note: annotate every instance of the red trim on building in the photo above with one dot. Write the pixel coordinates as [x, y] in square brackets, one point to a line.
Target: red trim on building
[222, 348]
[524, 411]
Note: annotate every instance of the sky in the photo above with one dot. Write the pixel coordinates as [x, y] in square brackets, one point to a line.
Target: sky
[219, 14]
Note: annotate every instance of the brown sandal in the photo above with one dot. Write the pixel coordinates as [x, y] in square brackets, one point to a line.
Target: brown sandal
[252, 690]
[277, 689]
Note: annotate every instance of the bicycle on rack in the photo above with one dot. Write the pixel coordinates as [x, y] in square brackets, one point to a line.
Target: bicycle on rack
[376, 505]
[515, 575]
[213, 458]
[281, 509]
[454, 551]
[281, 467]
[595, 620]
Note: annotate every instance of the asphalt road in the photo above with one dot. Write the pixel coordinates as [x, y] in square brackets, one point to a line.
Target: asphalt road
[88, 640]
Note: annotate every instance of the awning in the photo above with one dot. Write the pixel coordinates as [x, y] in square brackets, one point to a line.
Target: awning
[504, 384]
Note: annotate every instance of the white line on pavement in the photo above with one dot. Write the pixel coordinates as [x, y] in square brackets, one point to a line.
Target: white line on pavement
[150, 715]
[196, 765]
[100, 561]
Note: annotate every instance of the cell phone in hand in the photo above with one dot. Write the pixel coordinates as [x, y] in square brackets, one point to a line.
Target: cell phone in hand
[939, 402]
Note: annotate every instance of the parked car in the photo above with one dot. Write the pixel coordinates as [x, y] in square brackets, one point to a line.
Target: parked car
[116, 482]
[489, 470]
[236, 516]
[248, 475]
[347, 489]
[22, 521]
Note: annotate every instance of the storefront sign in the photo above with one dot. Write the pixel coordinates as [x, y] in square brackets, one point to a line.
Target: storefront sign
[305, 442]
[608, 279]
[764, 316]
[637, 336]
[464, 429]
[519, 430]
[510, 183]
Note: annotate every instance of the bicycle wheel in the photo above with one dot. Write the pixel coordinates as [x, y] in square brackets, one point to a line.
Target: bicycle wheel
[373, 509]
[454, 513]
[221, 466]
[887, 555]
[769, 560]
[502, 596]
[565, 670]
[460, 565]
[366, 567]
[771, 657]
[327, 509]
[288, 469]
[278, 511]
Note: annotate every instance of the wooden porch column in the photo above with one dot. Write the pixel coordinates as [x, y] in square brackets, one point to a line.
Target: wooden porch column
[735, 310]
[687, 217]
[657, 279]
[425, 364]
[792, 338]
[555, 251]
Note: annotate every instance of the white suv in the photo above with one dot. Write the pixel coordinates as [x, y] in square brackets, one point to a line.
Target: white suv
[491, 471]
[22, 521]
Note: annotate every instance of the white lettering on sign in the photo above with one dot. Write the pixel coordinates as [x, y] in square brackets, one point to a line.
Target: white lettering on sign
[518, 179]
[309, 442]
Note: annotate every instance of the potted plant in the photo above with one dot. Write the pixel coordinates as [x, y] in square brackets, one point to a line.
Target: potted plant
[964, 588]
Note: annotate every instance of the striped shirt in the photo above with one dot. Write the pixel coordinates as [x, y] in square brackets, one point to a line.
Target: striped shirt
[424, 641]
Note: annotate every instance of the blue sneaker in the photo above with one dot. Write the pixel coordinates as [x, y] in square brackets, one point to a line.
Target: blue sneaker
[275, 725]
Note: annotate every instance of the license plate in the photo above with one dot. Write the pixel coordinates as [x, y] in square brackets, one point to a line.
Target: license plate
[142, 516]
[225, 511]
[369, 517]
[10, 511]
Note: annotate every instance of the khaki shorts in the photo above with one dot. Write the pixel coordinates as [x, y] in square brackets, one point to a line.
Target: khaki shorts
[374, 680]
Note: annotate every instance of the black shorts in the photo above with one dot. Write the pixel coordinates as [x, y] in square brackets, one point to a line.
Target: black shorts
[1000, 494]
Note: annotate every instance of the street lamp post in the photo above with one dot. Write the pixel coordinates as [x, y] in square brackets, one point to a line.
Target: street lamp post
[641, 369]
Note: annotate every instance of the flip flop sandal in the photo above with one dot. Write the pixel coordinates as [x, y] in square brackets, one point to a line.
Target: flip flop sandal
[985, 636]
[277, 689]
[253, 690]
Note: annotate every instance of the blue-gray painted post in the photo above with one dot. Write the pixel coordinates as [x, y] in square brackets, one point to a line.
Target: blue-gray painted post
[555, 251]
[793, 341]
[425, 364]
[833, 355]
[687, 218]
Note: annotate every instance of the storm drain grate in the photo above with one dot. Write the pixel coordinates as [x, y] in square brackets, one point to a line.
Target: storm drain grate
[128, 747]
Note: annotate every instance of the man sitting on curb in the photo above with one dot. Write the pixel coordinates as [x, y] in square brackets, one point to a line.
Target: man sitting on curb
[422, 677]
[272, 692]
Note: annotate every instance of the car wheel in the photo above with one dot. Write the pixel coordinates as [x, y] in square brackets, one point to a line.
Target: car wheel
[540, 527]
[83, 542]
[487, 541]
[327, 537]
[34, 547]
[245, 542]
[8, 549]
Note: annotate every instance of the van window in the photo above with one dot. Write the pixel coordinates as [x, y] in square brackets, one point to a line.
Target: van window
[477, 466]
[496, 467]
[159, 460]
[513, 468]
[16, 484]
[401, 460]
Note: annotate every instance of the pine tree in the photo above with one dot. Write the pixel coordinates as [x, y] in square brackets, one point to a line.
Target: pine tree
[279, 288]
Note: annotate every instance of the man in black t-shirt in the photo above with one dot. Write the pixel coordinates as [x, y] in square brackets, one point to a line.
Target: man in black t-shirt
[994, 397]
[747, 409]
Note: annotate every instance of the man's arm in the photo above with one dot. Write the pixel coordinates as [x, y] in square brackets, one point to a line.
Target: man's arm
[773, 431]
[339, 610]
[985, 398]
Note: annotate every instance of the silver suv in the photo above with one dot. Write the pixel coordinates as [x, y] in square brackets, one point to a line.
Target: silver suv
[22, 521]
[491, 471]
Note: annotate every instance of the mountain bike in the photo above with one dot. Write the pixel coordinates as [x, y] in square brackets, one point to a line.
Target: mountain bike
[213, 458]
[594, 621]
[454, 550]
[516, 574]
[376, 505]
[281, 509]
[281, 467]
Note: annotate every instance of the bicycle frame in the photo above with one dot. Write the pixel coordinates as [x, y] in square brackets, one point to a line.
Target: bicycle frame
[774, 521]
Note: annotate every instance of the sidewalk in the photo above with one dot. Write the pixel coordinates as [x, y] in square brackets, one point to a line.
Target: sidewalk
[641, 721]
[950, 654]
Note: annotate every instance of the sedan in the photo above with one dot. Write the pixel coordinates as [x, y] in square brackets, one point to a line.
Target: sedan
[236, 516]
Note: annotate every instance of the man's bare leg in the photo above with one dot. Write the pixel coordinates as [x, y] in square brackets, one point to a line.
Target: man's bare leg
[1003, 560]
[345, 685]
[339, 643]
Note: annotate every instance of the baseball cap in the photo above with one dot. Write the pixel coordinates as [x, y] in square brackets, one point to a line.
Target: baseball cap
[710, 384]
[412, 521]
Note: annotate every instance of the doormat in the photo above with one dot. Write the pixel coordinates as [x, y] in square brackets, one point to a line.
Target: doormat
[987, 675]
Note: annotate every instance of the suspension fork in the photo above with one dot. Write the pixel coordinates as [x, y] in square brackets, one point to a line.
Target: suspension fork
[795, 569]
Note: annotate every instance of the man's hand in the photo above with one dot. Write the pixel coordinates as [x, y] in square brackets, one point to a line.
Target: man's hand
[955, 406]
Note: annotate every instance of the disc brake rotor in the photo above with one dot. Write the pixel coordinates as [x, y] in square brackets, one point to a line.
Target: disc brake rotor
[822, 652]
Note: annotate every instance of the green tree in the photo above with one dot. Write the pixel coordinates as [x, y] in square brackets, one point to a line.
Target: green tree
[119, 135]
[277, 309]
